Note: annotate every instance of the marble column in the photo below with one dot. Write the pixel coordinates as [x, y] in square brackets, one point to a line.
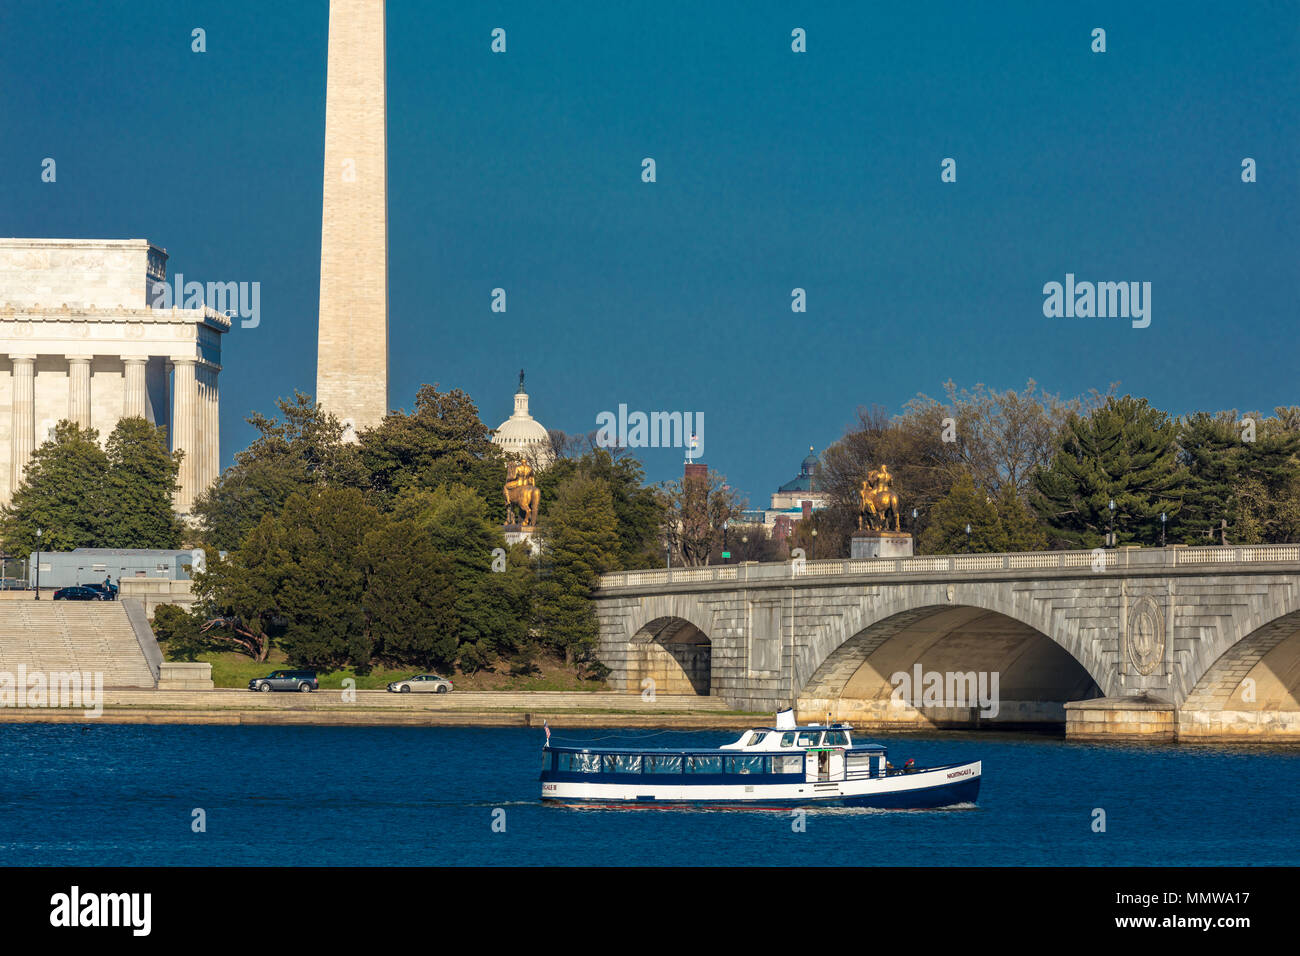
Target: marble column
[79, 389]
[134, 403]
[185, 429]
[213, 427]
[24, 416]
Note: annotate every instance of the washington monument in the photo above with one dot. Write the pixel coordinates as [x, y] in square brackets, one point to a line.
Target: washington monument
[352, 353]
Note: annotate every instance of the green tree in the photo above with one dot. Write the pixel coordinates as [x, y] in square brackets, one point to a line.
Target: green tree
[1022, 529]
[442, 442]
[1124, 451]
[62, 494]
[410, 597]
[141, 481]
[302, 451]
[491, 609]
[238, 597]
[580, 542]
[1243, 479]
[639, 509]
[321, 593]
[964, 505]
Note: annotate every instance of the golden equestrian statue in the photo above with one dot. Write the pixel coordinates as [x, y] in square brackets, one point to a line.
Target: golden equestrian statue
[878, 500]
[521, 490]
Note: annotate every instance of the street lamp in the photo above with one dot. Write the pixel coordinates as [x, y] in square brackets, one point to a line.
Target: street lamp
[39, 532]
[1162, 529]
[914, 513]
[1110, 535]
[968, 539]
[814, 544]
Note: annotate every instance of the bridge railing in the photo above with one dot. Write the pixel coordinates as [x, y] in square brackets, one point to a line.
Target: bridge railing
[1100, 560]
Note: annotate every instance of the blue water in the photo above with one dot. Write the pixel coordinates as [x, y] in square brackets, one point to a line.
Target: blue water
[124, 795]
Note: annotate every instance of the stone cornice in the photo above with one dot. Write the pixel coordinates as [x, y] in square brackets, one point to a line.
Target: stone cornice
[174, 316]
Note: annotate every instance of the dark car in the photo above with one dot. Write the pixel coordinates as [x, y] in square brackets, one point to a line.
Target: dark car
[304, 681]
[107, 592]
[79, 592]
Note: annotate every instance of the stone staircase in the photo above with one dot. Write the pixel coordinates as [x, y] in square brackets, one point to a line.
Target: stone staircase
[88, 636]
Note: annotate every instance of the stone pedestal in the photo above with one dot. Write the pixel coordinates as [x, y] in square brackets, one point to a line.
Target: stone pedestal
[1140, 718]
[880, 544]
[515, 533]
[175, 675]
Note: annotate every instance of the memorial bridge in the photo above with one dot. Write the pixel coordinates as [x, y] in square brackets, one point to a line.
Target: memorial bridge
[1184, 642]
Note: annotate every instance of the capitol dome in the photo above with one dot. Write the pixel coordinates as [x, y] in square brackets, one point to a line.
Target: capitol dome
[522, 436]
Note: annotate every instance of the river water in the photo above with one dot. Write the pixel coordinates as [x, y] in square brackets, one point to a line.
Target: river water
[103, 794]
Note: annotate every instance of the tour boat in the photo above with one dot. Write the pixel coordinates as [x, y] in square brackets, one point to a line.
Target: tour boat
[780, 767]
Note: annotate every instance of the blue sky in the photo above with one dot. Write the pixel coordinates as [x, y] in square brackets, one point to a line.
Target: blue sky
[775, 170]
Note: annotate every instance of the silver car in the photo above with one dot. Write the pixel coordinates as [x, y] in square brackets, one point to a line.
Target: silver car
[421, 684]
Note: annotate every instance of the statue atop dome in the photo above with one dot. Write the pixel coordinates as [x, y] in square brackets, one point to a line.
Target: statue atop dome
[523, 437]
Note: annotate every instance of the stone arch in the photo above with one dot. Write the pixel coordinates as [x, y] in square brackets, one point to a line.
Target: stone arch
[825, 657]
[669, 644]
[1259, 673]
[1246, 633]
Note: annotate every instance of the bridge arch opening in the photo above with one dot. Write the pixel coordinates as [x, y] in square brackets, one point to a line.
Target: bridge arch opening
[673, 653]
[947, 666]
[1251, 689]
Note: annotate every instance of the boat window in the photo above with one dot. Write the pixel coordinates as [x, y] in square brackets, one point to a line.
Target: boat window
[703, 764]
[749, 764]
[787, 740]
[858, 761]
[547, 757]
[622, 763]
[579, 763]
[809, 738]
[789, 763]
[756, 738]
[835, 738]
[663, 763]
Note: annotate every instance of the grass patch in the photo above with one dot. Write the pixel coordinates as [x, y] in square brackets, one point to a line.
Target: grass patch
[232, 669]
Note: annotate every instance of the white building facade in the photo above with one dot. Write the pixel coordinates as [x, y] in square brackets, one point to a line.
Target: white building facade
[80, 340]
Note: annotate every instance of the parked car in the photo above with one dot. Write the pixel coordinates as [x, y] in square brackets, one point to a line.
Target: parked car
[304, 681]
[107, 592]
[79, 592]
[421, 684]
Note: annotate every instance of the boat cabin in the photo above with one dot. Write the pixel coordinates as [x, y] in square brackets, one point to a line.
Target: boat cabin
[784, 754]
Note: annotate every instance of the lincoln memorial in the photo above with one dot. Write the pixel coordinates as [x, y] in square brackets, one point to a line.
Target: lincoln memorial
[81, 340]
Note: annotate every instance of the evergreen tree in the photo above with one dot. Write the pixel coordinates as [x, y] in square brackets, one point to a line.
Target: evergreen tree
[580, 542]
[1021, 528]
[1124, 451]
[410, 598]
[963, 505]
[62, 494]
[320, 596]
[638, 509]
[304, 450]
[141, 482]
[442, 442]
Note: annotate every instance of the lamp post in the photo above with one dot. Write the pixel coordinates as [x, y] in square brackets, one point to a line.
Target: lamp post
[814, 544]
[914, 515]
[39, 533]
[1162, 529]
[1110, 535]
[968, 539]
